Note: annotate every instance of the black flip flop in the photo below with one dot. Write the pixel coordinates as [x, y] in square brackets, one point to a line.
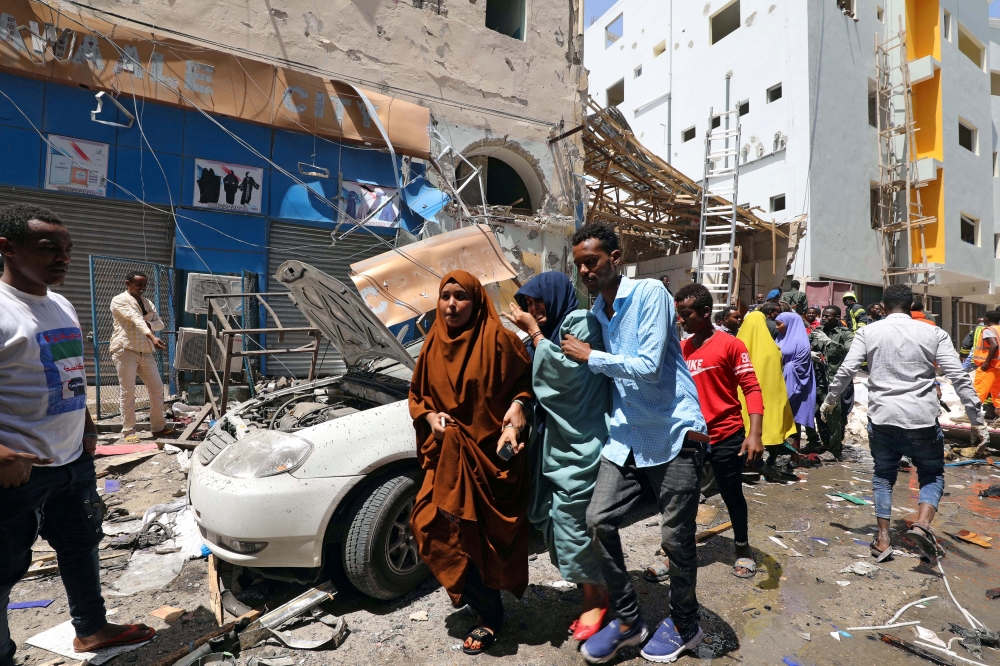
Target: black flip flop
[484, 636]
[880, 555]
[924, 539]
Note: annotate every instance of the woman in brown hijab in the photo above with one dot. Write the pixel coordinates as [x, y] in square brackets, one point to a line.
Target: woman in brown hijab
[466, 399]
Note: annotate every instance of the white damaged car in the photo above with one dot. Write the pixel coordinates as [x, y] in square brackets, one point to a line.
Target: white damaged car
[322, 469]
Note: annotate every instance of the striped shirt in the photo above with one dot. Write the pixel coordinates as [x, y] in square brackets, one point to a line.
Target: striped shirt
[131, 325]
[654, 402]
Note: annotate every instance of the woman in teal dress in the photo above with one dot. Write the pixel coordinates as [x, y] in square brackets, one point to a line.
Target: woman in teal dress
[571, 419]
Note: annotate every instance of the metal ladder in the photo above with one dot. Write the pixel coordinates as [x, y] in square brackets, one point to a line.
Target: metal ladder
[719, 187]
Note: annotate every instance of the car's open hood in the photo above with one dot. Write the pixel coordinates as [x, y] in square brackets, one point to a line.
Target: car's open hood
[340, 314]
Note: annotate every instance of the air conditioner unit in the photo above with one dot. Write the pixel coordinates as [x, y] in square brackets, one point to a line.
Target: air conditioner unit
[190, 351]
[200, 285]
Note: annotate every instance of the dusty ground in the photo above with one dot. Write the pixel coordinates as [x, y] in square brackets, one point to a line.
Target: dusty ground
[759, 621]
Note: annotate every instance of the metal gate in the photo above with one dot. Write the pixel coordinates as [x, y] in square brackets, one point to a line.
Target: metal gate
[100, 226]
[107, 280]
[311, 245]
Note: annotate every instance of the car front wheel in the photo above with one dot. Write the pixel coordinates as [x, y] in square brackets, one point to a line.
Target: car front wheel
[380, 553]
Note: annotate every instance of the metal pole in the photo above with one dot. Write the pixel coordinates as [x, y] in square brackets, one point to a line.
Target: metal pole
[670, 86]
[729, 76]
[93, 337]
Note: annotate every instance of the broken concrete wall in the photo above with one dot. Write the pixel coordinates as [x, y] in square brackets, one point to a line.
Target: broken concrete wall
[490, 95]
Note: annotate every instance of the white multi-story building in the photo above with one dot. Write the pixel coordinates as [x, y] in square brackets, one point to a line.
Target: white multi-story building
[802, 75]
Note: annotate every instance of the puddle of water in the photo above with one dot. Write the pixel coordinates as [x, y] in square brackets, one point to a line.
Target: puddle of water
[774, 571]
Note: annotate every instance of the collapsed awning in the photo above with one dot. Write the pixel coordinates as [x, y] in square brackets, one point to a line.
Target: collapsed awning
[103, 52]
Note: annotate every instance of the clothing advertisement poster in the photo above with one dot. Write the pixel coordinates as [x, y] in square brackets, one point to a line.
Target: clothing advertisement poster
[362, 198]
[225, 186]
[75, 165]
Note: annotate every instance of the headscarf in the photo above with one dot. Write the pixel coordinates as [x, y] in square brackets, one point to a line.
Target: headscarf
[800, 377]
[559, 295]
[766, 359]
[473, 376]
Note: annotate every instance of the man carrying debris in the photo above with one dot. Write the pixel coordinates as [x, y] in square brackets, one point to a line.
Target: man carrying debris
[903, 409]
[656, 439]
[47, 438]
[133, 349]
[854, 313]
[829, 344]
[795, 298]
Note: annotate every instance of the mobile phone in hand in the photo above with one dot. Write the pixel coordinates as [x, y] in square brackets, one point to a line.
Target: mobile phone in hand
[506, 452]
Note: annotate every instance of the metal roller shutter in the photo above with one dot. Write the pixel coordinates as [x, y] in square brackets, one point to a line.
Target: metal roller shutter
[106, 227]
[312, 246]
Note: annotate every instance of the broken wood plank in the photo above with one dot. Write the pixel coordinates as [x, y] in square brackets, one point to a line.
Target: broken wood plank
[198, 420]
[53, 568]
[214, 593]
[712, 531]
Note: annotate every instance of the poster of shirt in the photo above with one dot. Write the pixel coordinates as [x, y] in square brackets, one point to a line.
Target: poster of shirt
[361, 198]
[75, 165]
[225, 186]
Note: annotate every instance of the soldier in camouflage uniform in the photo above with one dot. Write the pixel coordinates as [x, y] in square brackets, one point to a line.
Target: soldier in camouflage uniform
[829, 343]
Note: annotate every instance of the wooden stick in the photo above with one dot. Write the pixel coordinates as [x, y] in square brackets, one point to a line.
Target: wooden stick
[198, 420]
[214, 593]
[53, 568]
[712, 531]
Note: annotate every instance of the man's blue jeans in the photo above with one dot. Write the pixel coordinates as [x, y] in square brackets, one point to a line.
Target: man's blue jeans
[924, 446]
[61, 504]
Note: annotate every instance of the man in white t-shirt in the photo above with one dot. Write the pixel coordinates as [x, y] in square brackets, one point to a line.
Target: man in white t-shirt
[47, 438]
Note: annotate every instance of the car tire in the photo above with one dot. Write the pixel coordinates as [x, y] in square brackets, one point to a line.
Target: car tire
[380, 554]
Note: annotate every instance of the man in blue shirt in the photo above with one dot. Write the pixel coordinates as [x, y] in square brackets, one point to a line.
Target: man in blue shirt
[657, 436]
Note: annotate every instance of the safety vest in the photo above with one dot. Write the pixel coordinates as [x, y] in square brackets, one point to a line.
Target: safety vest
[982, 351]
[853, 313]
[977, 333]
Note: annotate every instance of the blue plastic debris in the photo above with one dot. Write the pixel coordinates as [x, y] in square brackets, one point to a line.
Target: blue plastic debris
[112, 485]
[19, 605]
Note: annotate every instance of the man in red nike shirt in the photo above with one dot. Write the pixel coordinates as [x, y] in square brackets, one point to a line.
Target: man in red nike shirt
[720, 364]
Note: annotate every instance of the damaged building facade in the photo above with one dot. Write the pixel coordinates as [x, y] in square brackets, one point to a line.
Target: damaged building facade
[231, 139]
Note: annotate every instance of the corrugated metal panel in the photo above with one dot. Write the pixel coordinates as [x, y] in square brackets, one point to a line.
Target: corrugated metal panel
[311, 245]
[102, 227]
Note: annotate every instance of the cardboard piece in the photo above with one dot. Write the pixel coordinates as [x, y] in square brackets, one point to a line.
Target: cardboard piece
[59, 639]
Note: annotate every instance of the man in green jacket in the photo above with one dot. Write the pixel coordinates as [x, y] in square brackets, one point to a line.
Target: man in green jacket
[796, 298]
[829, 343]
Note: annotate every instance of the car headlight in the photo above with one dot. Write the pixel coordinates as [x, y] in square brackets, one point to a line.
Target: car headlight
[263, 453]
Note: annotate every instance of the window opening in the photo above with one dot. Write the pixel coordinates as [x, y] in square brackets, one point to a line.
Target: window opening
[774, 93]
[724, 22]
[614, 31]
[616, 93]
[970, 230]
[967, 137]
[777, 203]
[506, 17]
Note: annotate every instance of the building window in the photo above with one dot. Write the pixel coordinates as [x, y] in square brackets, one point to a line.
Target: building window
[507, 17]
[777, 203]
[716, 121]
[996, 246]
[774, 93]
[969, 230]
[724, 22]
[659, 49]
[637, 72]
[946, 26]
[970, 46]
[743, 108]
[614, 31]
[880, 14]
[967, 137]
[687, 135]
[503, 185]
[996, 167]
[995, 84]
[872, 109]
[616, 93]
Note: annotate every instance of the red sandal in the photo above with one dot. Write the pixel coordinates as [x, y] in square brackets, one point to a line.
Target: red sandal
[135, 633]
[582, 632]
